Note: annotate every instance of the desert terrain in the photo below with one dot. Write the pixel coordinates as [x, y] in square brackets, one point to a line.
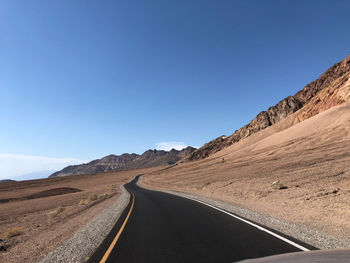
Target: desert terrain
[38, 215]
[291, 162]
[311, 161]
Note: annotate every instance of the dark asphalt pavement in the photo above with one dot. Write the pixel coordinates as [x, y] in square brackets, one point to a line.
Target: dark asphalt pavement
[167, 228]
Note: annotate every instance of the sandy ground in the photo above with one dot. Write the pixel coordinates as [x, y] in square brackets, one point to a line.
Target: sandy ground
[311, 158]
[27, 205]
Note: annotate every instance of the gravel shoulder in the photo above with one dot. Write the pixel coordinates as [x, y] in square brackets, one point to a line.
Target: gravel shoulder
[84, 242]
[300, 232]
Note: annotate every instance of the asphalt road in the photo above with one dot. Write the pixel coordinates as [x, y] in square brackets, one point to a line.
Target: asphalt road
[168, 228]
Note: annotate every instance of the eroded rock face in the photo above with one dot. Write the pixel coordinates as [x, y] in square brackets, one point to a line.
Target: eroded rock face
[150, 158]
[325, 80]
[335, 94]
[330, 89]
[208, 148]
[267, 118]
[263, 120]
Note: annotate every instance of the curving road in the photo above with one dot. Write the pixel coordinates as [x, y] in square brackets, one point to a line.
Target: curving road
[166, 228]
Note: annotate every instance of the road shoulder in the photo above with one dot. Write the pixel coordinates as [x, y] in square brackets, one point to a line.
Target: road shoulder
[299, 232]
[84, 242]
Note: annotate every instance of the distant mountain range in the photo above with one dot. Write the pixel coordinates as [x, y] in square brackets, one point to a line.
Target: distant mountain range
[29, 176]
[150, 158]
[330, 89]
[7, 181]
[34, 175]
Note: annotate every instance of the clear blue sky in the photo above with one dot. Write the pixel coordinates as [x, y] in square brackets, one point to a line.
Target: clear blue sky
[83, 79]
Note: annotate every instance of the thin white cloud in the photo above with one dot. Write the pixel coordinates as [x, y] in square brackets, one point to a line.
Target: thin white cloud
[167, 146]
[14, 165]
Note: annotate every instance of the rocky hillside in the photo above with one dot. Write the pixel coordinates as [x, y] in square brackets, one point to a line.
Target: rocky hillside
[330, 89]
[150, 158]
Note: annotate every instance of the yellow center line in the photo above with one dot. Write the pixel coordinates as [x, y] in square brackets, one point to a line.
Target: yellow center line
[109, 250]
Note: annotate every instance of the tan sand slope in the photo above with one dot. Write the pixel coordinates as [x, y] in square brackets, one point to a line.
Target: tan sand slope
[331, 125]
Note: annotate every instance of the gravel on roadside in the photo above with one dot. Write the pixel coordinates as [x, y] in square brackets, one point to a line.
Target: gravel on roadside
[303, 233]
[85, 241]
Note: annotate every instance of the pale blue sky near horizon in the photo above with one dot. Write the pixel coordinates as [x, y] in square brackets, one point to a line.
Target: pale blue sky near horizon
[83, 79]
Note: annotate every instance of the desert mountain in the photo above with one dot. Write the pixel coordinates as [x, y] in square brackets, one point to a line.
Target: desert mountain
[150, 158]
[330, 89]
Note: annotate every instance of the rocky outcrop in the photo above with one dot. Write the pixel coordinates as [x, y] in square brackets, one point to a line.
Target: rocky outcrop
[150, 158]
[263, 120]
[267, 118]
[208, 148]
[330, 89]
[336, 93]
[324, 81]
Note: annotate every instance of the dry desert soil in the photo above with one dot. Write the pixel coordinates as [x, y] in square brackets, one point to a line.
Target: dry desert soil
[44, 213]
